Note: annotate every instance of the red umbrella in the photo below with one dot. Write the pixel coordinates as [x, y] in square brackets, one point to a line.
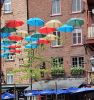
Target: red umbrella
[15, 38]
[15, 51]
[14, 46]
[43, 41]
[14, 23]
[46, 30]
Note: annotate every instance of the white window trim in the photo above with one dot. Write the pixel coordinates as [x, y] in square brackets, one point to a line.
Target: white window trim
[76, 32]
[57, 45]
[7, 78]
[77, 60]
[9, 3]
[76, 8]
[56, 13]
[10, 59]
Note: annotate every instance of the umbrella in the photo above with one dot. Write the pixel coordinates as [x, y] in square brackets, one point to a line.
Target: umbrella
[32, 46]
[4, 48]
[8, 30]
[43, 41]
[7, 95]
[7, 41]
[21, 32]
[15, 51]
[51, 37]
[46, 30]
[37, 22]
[53, 23]
[15, 37]
[65, 28]
[75, 22]
[5, 35]
[14, 46]
[37, 35]
[14, 23]
[31, 39]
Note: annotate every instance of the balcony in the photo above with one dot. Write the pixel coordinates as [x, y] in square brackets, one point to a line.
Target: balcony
[90, 38]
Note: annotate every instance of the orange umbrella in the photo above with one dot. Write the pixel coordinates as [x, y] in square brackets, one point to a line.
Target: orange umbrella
[43, 41]
[15, 38]
[15, 51]
[14, 23]
[14, 46]
[46, 30]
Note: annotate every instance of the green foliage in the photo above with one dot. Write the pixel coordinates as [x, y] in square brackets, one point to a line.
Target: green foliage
[77, 70]
[57, 70]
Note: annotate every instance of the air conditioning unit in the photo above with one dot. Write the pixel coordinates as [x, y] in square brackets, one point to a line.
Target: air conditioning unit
[92, 63]
[92, 11]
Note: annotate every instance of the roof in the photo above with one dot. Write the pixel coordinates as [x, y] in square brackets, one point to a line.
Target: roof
[58, 83]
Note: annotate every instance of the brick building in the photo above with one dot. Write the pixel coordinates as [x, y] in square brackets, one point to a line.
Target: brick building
[73, 50]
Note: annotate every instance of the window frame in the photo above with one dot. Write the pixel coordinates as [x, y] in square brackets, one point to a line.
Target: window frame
[78, 61]
[8, 80]
[77, 11]
[77, 31]
[9, 4]
[57, 40]
[57, 63]
[56, 13]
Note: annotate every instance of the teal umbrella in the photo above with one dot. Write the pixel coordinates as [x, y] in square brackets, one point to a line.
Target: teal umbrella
[8, 30]
[32, 46]
[37, 35]
[75, 22]
[7, 41]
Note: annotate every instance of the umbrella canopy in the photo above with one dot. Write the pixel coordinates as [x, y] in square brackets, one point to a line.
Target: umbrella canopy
[15, 38]
[65, 28]
[37, 35]
[43, 41]
[4, 48]
[7, 95]
[5, 35]
[46, 30]
[8, 30]
[51, 37]
[15, 51]
[14, 23]
[32, 46]
[35, 22]
[14, 46]
[7, 41]
[53, 23]
[75, 22]
[31, 39]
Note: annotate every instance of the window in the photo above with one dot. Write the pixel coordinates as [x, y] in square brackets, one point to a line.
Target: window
[9, 78]
[78, 61]
[77, 36]
[7, 6]
[56, 42]
[55, 7]
[57, 62]
[10, 58]
[76, 6]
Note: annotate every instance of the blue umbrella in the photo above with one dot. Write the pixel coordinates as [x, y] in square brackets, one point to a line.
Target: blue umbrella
[4, 48]
[7, 95]
[31, 39]
[37, 22]
[5, 35]
[32, 46]
[75, 22]
[65, 28]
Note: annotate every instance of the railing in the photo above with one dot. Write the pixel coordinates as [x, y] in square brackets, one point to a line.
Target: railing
[91, 32]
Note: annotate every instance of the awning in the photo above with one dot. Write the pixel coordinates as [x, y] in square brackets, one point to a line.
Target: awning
[58, 83]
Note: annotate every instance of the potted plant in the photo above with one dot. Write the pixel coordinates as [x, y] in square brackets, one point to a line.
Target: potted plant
[77, 70]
